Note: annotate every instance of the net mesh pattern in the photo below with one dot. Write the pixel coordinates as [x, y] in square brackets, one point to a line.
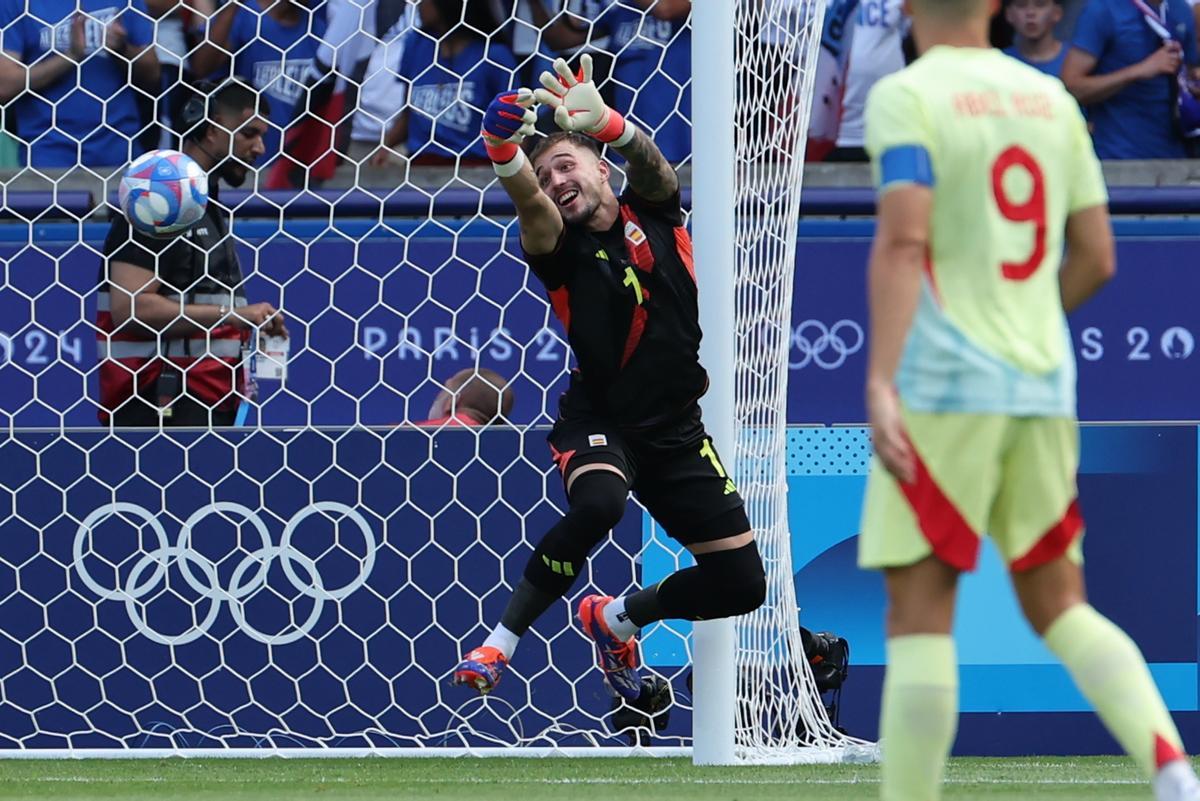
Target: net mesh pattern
[309, 578]
[780, 716]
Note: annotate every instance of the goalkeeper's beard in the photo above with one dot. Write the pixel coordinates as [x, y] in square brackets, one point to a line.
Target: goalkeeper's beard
[583, 210]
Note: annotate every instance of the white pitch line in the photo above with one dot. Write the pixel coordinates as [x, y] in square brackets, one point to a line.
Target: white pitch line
[598, 781]
[772, 782]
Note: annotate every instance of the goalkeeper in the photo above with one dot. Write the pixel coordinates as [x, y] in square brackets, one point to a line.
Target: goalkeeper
[618, 271]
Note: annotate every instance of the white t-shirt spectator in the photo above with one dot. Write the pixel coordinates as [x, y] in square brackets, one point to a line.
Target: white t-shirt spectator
[169, 41]
[382, 93]
[525, 34]
[364, 42]
[876, 52]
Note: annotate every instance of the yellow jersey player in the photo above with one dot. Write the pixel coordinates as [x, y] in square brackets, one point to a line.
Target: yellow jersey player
[985, 170]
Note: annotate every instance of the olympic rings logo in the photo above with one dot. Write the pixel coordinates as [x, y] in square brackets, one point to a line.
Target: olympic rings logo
[815, 342]
[200, 573]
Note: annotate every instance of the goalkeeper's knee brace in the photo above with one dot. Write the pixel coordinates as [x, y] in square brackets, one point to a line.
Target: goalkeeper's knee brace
[722, 584]
[596, 505]
[738, 580]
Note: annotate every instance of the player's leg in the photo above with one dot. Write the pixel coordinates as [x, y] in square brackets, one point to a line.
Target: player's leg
[922, 535]
[727, 580]
[594, 473]
[1110, 671]
[1039, 529]
[685, 487]
[919, 709]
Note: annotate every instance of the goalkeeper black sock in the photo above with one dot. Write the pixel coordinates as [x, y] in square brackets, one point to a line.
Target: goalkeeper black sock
[525, 606]
[597, 502]
[722, 584]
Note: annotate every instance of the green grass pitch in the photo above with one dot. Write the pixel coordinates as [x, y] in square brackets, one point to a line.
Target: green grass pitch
[1027, 779]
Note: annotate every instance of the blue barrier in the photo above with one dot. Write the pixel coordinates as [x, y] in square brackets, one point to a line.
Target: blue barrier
[370, 562]
[25, 205]
[312, 230]
[374, 202]
[814, 201]
[1135, 345]
[225, 601]
[373, 333]
[1138, 493]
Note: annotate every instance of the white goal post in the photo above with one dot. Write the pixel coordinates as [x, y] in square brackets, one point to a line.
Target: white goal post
[714, 644]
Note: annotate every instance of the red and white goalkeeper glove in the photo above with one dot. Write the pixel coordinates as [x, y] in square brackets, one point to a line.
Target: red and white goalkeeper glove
[508, 120]
[578, 106]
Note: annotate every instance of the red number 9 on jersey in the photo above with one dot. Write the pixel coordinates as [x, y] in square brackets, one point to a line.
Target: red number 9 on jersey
[1032, 210]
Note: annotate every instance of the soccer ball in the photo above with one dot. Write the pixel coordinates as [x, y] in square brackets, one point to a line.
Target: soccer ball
[163, 192]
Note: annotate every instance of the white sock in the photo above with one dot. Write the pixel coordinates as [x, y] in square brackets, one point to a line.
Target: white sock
[503, 639]
[1176, 781]
[617, 621]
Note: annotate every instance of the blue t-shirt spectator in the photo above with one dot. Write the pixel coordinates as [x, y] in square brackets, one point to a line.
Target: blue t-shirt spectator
[651, 71]
[447, 97]
[274, 58]
[1052, 67]
[101, 109]
[1138, 121]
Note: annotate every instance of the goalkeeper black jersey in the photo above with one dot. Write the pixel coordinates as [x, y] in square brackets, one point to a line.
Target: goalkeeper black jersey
[627, 300]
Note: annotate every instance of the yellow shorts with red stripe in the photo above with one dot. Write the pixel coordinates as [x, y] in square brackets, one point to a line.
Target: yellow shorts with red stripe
[1011, 477]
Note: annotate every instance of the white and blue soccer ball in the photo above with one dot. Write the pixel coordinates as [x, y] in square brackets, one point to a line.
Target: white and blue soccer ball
[164, 192]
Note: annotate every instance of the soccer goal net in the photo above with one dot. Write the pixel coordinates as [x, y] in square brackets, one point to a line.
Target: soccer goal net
[304, 580]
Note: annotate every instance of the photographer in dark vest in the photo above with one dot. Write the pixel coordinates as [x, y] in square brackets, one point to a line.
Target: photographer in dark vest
[172, 318]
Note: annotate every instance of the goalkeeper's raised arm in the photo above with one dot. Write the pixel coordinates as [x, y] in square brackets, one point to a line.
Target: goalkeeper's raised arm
[579, 108]
[508, 120]
[547, 189]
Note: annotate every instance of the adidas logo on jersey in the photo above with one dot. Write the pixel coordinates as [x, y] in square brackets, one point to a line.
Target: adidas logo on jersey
[602, 254]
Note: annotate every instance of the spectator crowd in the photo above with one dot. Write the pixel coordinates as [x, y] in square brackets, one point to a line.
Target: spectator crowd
[1133, 65]
[94, 83]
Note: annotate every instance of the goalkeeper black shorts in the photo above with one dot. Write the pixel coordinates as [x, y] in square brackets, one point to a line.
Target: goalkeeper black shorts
[672, 468]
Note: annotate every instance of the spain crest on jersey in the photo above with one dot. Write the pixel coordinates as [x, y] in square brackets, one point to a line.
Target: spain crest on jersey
[634, 234]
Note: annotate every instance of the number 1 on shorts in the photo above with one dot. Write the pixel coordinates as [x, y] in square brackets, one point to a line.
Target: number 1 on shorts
[707, 452]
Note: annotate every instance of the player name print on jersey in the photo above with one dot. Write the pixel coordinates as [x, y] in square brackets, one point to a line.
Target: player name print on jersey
[993, 104]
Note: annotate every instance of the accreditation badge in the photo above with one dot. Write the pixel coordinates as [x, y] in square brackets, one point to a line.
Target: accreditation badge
[270, 361]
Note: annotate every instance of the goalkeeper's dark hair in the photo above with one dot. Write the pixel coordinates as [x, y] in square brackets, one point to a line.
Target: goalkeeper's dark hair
[540, 145]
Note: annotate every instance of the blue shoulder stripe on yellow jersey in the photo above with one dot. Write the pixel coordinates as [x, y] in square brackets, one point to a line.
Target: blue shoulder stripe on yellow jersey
[905, 164]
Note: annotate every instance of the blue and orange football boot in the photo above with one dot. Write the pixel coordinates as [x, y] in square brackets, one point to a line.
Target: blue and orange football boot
[481, 669]
[617, 658]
